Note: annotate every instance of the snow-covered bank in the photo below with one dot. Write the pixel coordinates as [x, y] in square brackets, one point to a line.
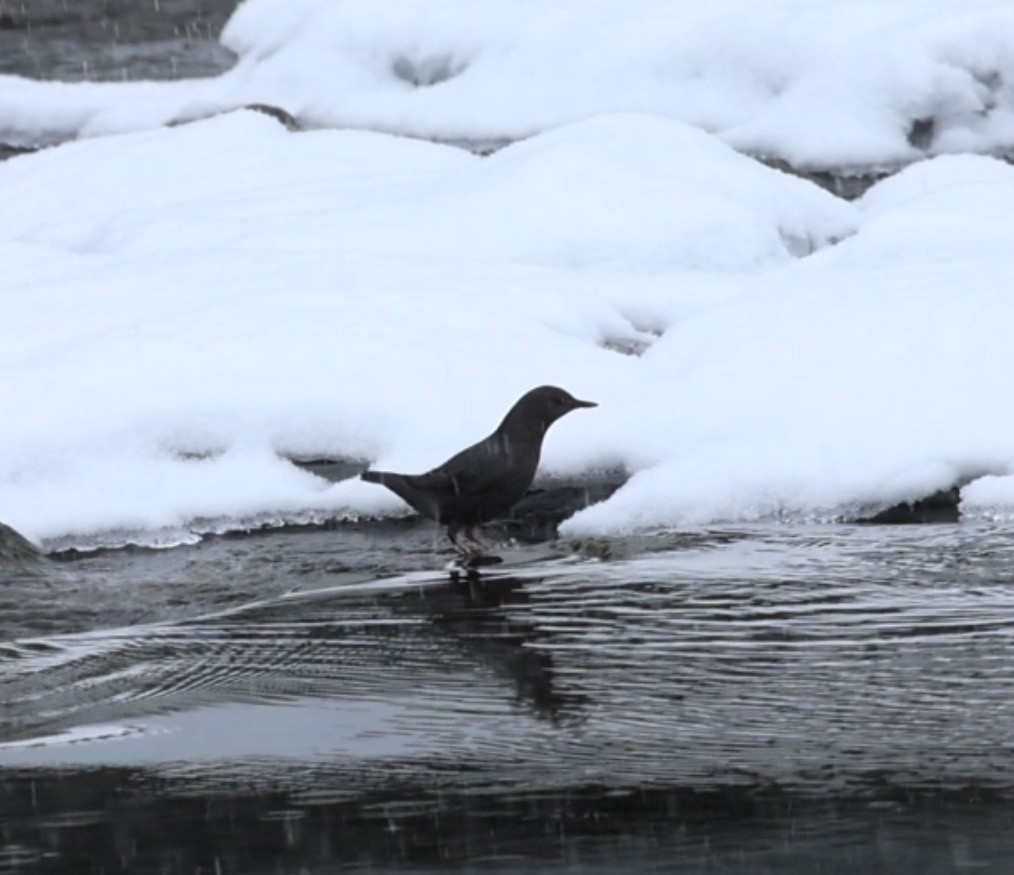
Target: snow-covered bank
[876, 370]
[838, 83]
[181, 307]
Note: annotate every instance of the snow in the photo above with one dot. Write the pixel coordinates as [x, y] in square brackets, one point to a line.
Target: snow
[990, 497]
[195, 301]
[871, 372]
[832, 83]
[184, 309]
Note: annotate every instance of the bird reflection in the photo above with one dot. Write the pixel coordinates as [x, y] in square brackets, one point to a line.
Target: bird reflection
[487, 615]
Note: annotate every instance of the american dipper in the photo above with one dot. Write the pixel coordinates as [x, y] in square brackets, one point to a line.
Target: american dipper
[489, 478]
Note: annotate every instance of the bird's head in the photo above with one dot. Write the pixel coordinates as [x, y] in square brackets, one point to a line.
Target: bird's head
[541, 407]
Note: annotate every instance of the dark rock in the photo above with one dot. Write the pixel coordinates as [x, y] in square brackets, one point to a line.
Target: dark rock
[8, 150]
[280, 115]
[551, 500]
[333, 469]
[16, 551]
[283, 117]
[921, 132]
[483, 147]
[425, 72]
[632, 346]
[940, 507]
[844, 182]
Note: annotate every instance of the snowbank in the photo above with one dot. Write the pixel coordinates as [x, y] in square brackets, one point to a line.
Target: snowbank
[989, 498]
[180, 308]
[870, 373]
[833, 84]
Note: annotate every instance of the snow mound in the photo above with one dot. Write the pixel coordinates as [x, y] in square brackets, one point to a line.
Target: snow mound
[989, 498]
[182, 309]
[834, 84]
[873, 372]
[197, 302]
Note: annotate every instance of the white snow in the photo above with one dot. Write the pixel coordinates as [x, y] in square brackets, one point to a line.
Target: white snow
[989, 498]
[872, 372]
[181, 308]
[824, 84]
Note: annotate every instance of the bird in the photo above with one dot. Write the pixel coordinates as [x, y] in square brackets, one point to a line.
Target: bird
[487, 479]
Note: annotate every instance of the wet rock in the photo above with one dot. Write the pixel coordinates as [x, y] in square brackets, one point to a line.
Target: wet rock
[333, 469]
[921, 132]
[16, 551]
[283, 117]
[551, 500]
[940, 507]
[426, 72]
[632, 346]
[481, 146]
[8, 150]
[280, 115]
[844, 182]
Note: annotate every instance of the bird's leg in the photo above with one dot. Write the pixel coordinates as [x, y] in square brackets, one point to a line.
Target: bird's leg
[474, 534]
[461, 546]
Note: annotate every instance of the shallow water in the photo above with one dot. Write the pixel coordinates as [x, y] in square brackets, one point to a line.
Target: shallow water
[752, 699]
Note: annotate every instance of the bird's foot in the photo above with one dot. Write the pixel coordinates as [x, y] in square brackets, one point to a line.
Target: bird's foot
[472, 547]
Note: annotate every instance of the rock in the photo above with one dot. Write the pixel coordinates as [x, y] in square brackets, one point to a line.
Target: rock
[551, 500]
[940, 507]
[16, 551]
[844, 182]
[283, 117]
[7, 150]
[333, 469]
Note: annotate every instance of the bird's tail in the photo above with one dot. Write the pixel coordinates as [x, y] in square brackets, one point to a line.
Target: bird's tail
[373, 476]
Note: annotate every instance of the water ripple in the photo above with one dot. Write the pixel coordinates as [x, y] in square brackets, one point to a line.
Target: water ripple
[846, 660]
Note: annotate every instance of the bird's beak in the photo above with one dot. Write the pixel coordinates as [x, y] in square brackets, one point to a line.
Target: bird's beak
[577, 402]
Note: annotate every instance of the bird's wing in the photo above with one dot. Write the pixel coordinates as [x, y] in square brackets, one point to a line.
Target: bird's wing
[460, 482]
[469, 472]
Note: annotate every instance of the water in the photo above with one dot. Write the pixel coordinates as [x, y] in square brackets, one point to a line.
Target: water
[766, 699]
[113, 40]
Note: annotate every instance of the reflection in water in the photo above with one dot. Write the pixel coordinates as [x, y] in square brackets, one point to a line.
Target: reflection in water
[768, 697]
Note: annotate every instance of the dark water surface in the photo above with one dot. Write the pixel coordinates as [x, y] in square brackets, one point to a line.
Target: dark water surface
[774, 699]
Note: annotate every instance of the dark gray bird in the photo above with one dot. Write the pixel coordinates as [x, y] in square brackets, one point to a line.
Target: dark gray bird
[489, 478]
